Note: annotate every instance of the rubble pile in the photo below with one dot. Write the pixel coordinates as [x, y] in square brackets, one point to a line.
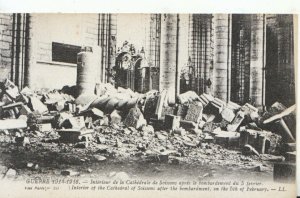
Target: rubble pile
[122, 123]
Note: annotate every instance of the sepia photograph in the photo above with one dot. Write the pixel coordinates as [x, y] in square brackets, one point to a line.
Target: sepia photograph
[148, 103]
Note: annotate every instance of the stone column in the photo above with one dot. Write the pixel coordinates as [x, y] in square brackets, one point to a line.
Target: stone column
[222, 56]
[30, 54]
[257, 59]
[168, 54]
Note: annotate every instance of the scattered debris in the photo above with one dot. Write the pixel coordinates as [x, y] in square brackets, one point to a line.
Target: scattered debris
[120, 122]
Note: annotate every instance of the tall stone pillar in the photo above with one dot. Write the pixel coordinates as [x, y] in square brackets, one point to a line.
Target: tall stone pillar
[222, 56]
[107, 30]
[168, 54]
[286, 70]
[257, 60]
[30, 54]
[153, 49]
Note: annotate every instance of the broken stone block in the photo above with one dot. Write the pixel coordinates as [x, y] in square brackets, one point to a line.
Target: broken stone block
[208, 138]
[260, 168]
[6, 99]
[157, 124]
[172, 122]
[188, 125]
[44, 127]
[13, 92]
[272, 158]
[288, 147]
[69, 135]
[180, 131]
[248, 136]
[205, 99]
[233, 106]
[273, 142]
[111, 104]
[132, 102]
[150, 105]
[60, 105]
[285, 130]
[238, 119]
[11, 173]
[45, 119]
[37, 106]
[13, 124]
[115, 117]
[10, 88]
[71, 107]
[27, 91]
[218, 102]
[194, 112]
[212, 109]
[25, 110]
[250, 112]
[104, 121]
[228, 115]
[247, 108]
[99, 103]
[276, 108]
[182, 110]
[167, 110]
[262, 141]
[201, 124]
[141, 122]
[88, 122]
[122, 104]
[160, 104]
[133, 116]
[284, 172]
[97, 113]
[290, 156]
[93, 112]
[227, 138]
[85, 99]
[14, 106]
[261, 146]
[187, 97]
[208, 127]
[208, 117]
[74, 123]
[10, 113]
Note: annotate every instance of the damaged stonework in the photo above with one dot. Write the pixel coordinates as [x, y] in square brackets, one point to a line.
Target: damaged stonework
[147, 125]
